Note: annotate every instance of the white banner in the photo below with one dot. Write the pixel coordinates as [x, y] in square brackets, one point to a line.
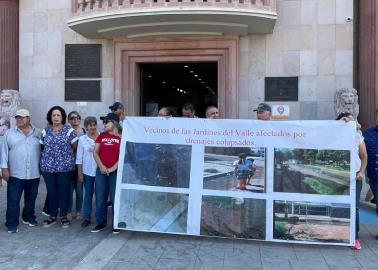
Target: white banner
[291, 181]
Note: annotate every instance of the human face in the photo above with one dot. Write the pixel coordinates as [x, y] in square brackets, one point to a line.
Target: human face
[347, 118]
[92, 128]
[56, 117]
[74, 120]
[22, 122]
[109, 125]
[263, 115]
[188, 113]
[163, 112]
[212, 113]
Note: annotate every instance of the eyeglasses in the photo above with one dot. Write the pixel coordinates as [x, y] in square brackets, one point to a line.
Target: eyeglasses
[75, 118]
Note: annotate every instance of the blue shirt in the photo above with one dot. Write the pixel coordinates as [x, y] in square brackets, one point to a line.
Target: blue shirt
[371, 141]
[57, 155]
[20, 153]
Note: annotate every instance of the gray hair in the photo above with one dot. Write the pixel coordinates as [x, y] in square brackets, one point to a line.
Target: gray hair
[90, 120]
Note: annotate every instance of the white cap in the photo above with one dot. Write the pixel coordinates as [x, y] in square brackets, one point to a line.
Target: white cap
[23, 113]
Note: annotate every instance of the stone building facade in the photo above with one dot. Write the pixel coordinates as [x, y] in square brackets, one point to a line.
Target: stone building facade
[312, 40]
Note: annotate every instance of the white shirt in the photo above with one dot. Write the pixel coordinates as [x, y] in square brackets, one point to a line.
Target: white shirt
[84, 155]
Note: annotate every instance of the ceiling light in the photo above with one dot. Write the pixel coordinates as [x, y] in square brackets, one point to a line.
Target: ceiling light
[149, 76]
[207, 87]
[192, 71]
[181, 90]
[202, 82]
[199, 79]
[195, 75]
[186, 66]
[163, 82]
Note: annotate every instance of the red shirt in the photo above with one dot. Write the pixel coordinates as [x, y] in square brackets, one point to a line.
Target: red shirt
[109, 148]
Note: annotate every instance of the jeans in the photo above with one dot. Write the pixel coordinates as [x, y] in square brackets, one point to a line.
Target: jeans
[374, 189]
[89, 183]
[105, 185]
[58, 189]
[358, 193]
[76, 186]
[15, 187]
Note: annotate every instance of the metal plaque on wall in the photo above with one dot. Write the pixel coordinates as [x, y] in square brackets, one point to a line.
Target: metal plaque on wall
[281, 88]
[83, 61]
[82, 90]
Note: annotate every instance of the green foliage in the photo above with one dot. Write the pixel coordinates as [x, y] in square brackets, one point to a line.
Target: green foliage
[325, 187]
[280, 230]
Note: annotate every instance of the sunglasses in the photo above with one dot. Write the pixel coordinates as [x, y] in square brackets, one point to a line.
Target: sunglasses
[75, 118]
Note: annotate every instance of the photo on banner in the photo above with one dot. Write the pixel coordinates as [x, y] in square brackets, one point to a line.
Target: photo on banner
[164, 165]
[235, 169]
[311, 221]
[233, 217]
[153, 211]
[312, 171]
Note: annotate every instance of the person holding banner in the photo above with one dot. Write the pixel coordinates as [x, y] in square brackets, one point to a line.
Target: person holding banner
[360, 175]
[242, 168]
[106, 153]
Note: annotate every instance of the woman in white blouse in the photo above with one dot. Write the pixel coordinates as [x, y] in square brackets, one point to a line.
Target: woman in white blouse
[86, 166]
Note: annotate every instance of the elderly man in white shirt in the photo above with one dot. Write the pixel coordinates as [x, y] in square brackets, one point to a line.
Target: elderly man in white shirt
[86, 166]
[20, 154]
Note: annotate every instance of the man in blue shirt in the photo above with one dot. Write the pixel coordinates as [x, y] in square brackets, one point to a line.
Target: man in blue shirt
[371, 141]
[20, 154]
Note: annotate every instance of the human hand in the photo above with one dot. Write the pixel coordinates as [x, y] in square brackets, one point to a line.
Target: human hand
[5, 174]
[360, 176]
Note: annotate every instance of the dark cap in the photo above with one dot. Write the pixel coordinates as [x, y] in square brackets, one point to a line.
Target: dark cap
[116, 105]
[263, 107]
[110, 116]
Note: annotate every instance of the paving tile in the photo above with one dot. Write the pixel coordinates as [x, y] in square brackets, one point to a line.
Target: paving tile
[172, 264]
[125, 266]
[308, 265]
[274, 264]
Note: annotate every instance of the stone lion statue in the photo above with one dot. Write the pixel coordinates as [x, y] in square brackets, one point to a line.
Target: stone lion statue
[346, 100]
[10, 101]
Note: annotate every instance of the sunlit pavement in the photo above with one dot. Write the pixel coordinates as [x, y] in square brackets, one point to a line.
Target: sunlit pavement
[78, 248]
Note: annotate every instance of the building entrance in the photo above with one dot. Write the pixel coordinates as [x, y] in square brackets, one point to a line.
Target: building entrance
[173, 84]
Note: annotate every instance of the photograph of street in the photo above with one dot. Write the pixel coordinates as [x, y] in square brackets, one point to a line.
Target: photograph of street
[166, 165]
[312, 171]
[233, 217]
[311, 222]
[234, 169]
[153, 211]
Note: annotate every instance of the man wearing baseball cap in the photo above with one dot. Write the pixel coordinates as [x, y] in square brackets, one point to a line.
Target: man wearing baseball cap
[264, 111]
[20, 154]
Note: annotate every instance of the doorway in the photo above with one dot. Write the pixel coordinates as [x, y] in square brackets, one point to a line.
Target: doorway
[174, 84]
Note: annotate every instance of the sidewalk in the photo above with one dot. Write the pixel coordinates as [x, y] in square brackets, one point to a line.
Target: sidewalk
[77, 248]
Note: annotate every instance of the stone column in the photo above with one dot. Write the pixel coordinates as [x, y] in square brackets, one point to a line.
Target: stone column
[9, 36]
[368, 62]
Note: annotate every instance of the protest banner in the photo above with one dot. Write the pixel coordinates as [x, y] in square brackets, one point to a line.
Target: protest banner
[284, 181]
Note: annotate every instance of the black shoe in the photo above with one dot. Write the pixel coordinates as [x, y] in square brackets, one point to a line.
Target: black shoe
[85, 223]
[65, 222]
[99, 227]
[49, 222]
[109, 204]
[376, 237]
[116, 231]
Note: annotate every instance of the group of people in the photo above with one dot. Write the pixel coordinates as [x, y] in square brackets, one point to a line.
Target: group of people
[82, 160]
[69, 157]
[72, 160]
